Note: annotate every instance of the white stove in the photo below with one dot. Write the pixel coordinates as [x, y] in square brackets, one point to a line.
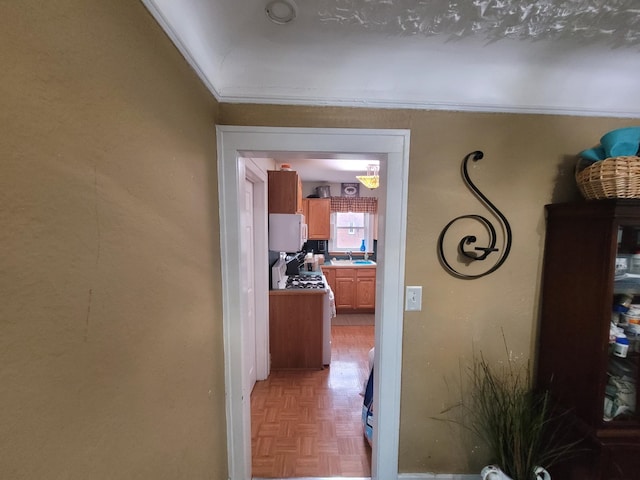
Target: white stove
[278, 275]
[281, 281]
[307, 282]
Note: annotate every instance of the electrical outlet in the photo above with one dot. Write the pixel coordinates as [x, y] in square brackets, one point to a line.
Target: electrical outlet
[413, 299]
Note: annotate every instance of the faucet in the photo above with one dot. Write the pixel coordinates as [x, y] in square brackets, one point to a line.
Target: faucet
[349, 253]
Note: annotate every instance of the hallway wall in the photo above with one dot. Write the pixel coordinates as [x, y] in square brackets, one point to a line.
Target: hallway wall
[110, 318]
[529, 161]
[111, 351]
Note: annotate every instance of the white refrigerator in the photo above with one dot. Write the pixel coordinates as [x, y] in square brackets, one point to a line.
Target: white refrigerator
[287, 232]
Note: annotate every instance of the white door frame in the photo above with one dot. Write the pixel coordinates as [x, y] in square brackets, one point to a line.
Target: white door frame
[232, 141]
[257, 174]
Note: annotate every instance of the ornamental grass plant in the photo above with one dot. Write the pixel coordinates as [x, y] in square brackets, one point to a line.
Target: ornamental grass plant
[519, 426]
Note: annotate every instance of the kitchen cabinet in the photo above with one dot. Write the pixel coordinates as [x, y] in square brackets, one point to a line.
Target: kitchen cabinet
[365, 289]
[317, 213]
[330, 275]
[587, 273]
[354, 289]
[284, 191]
[345, 294]
[296, 329]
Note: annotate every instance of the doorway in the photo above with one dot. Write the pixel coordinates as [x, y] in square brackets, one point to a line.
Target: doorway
[394, 144]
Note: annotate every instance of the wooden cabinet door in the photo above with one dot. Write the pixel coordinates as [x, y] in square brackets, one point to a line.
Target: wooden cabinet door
[298, 195]
[295, 329]
[285, 192]
[330, 275]
[345, 289]
[317, 215]
[366, 289]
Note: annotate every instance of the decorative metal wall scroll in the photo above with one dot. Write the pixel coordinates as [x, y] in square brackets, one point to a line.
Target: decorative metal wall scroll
[465, 245]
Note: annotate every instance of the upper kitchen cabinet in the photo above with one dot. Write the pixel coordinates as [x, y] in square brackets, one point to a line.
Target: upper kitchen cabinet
[285, 191]
[317, 213]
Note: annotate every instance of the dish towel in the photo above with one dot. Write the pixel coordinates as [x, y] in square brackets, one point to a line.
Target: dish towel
[332, 302]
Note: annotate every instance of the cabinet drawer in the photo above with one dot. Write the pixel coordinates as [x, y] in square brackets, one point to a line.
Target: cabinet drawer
[345, 273]
[366, 272]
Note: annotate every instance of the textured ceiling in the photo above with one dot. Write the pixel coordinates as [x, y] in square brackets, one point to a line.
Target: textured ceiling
[546, 56]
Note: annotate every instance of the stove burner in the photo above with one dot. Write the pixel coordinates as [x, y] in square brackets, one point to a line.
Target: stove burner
[305, 278]
[305, 281]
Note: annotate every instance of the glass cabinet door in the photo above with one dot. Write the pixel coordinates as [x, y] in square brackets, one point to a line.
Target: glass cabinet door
[620, 401]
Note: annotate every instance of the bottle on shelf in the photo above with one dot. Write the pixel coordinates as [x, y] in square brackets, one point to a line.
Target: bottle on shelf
[363, 247]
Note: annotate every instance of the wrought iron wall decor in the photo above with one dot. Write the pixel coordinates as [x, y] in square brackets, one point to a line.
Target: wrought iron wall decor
[466, 246]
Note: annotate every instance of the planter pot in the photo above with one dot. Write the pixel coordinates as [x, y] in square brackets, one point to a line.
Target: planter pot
[493, 472]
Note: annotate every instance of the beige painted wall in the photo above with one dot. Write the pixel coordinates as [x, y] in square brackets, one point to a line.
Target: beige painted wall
[110, 310]
[528, 162]
[110, 316]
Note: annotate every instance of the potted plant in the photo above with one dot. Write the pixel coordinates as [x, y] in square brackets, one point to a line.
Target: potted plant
[517, 423]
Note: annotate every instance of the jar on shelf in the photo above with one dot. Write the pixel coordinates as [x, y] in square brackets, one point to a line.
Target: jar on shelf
[621, 347]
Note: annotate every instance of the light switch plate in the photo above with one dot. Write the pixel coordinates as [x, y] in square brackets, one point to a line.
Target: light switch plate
[413, 299]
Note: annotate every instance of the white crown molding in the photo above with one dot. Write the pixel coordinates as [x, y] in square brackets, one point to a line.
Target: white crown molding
[417, 105]
[173, 36]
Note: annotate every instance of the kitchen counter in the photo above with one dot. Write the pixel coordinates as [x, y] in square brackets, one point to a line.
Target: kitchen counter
[297, 291]
[353, 285]
[356, 263]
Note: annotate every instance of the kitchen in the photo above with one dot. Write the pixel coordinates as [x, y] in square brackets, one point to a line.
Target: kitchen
[315, 276]
[302, 265]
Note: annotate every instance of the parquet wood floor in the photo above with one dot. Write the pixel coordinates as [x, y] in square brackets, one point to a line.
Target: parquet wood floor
[307, 423]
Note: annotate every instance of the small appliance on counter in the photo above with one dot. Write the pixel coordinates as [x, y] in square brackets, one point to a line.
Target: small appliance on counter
[282, 280]
[287, 232]
[295, 263]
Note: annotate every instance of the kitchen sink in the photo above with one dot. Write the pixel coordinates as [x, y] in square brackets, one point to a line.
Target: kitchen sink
[346, 262]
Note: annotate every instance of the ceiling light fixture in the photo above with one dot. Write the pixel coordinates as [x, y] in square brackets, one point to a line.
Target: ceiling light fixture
[281, 11]
[371, 180]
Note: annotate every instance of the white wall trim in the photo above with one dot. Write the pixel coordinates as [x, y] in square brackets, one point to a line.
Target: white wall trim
[436, 476]
[232, 141]
[265, 99]
[179, 44]
[258, 176]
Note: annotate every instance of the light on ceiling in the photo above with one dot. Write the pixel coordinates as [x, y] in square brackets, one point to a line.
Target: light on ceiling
[281, 11]
[371, 179]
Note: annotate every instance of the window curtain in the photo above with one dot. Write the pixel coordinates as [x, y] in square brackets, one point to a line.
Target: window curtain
[354, 204]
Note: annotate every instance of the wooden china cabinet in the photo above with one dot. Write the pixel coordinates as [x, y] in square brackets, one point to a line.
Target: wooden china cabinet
[587, 273]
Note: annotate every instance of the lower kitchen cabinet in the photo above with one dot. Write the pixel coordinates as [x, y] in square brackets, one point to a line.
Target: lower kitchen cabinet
[295, 329]
[354, 289]
[345, 294]
[330, 275]
[365, 289]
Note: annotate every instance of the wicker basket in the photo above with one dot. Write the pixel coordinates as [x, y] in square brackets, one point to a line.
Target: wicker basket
[616, 177]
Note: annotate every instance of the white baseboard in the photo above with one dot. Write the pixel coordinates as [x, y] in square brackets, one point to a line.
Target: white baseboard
[437, 476]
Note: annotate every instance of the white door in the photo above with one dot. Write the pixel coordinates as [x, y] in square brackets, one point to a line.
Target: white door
[247, 264]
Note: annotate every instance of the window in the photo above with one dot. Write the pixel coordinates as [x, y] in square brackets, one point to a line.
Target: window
[348, 229]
